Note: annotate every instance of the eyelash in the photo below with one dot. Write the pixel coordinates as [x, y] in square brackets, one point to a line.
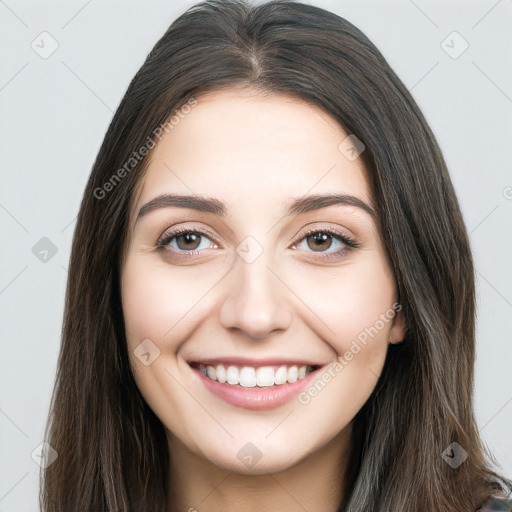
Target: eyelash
[349, 243]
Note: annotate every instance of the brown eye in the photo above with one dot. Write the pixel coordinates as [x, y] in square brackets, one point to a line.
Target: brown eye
[185, 241]
[328, 244]
[319, 241]
[188, 241]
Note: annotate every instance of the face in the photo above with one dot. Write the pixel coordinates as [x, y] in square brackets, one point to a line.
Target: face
[290, 302]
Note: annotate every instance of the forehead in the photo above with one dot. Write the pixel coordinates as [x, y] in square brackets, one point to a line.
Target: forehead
[246, 148]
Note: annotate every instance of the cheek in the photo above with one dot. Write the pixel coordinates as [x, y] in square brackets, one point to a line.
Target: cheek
[147, 304]
[354, 303]
[157, 304]
[155, 307]
[164, 306]
[357, 305]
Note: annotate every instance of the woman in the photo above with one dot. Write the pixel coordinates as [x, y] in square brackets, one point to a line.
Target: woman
[270, 302]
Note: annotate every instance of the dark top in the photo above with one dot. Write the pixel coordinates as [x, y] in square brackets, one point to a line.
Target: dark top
[496, 505]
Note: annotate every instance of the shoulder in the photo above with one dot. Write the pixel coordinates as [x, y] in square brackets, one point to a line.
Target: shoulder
[494, 504]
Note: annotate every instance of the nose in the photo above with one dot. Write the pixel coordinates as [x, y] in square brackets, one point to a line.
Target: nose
[255, 301]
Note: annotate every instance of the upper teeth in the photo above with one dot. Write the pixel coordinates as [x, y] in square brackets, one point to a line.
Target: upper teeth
[250, 377]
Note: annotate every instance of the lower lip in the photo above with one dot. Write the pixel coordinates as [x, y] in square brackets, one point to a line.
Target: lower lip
[256, 398]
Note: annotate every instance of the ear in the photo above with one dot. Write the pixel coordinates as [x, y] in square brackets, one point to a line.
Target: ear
[397, 333]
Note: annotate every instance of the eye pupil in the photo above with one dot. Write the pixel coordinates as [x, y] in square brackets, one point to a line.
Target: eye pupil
[189, 238]
[320, 238]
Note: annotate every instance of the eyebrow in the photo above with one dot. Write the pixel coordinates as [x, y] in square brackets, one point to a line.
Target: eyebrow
[211, 205]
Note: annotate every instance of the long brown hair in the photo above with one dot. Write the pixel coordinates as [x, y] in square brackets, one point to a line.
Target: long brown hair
[112, 449]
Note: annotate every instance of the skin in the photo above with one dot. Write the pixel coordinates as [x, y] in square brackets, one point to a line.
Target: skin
[256, 153]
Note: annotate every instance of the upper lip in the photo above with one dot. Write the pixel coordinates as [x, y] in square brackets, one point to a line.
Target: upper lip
[255, 363]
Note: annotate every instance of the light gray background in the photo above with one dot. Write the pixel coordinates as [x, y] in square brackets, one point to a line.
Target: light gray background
[54, 113]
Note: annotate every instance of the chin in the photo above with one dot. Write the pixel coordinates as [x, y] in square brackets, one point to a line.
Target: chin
[259, 457]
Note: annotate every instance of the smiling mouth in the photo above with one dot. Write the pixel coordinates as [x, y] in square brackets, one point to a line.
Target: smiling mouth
[250, 376]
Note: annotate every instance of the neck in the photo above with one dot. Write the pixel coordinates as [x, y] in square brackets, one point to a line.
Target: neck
[316, 484]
